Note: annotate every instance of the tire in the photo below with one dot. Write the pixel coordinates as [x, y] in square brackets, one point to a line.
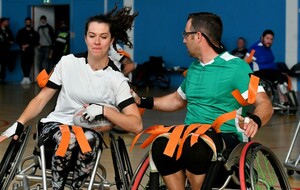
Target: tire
[143, 178]
[12, 158]
[274, 177]
[260, 169]
[120, 176]
[268, 87]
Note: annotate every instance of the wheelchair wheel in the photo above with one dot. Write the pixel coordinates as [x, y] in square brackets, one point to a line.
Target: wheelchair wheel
[268, 87]
[120, 173]
[12, 158]
[144, 179]
[260, 169]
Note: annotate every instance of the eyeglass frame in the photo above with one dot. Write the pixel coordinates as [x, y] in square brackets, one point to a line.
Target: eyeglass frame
[186, 34]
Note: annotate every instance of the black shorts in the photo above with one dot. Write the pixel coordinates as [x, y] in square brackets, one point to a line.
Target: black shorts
[195, 159]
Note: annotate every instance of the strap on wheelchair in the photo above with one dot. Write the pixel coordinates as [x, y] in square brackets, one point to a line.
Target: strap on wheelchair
[65, 140]
[174, 136]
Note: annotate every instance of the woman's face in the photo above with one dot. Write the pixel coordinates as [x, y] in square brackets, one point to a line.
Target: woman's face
[98, 39]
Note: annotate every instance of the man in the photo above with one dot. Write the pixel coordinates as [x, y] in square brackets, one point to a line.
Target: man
[28, 39]
[263, 57]
[264, 66]
[241, 50]
[62, 43]
[206, 93]
[6, 40]
[46, 33]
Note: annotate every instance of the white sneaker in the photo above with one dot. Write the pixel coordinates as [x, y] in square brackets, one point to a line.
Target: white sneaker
[26, 80]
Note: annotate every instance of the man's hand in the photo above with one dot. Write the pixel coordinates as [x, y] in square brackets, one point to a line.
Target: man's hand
[92, 111]
[136, 97]
[16, 129]
[248, 125]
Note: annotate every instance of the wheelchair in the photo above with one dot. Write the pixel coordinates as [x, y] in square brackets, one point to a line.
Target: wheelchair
[248, 166]
[277, 92]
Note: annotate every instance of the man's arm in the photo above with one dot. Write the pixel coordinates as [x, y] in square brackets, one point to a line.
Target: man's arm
[168, 103]
[261, 115]
[263, 108]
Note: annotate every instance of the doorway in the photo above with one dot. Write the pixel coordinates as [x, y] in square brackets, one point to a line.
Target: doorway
[55, 15]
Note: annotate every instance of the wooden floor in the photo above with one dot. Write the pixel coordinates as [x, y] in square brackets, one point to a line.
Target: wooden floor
[277, 135]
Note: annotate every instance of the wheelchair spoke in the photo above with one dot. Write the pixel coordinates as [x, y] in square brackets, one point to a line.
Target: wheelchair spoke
[266, 171]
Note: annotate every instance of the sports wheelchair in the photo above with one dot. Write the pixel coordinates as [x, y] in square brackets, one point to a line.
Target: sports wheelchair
[32, 172]
[282, 96]
[248, 166]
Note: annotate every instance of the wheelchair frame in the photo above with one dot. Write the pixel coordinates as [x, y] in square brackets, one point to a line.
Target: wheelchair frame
[244, 155]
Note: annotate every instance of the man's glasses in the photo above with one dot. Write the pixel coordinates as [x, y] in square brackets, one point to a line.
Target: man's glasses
[186, 34]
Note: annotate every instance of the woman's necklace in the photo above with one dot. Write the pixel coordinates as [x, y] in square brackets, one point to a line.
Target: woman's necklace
[95, 68]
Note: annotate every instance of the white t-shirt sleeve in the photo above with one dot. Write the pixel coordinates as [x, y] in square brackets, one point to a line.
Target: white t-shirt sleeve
[123, 92]
[56, 76]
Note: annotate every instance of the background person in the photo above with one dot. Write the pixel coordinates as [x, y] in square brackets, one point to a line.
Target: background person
[28, 39]
[122, 60]
[240, 50]
[45, 47]
[264, 66]
[6, 40]
[206, 93]
[61, 45]
[87, 81]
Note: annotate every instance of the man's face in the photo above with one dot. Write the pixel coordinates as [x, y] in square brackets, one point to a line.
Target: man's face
[28, 23]
[43, 21]
[188, 39]
[240, 44]
[267, 40]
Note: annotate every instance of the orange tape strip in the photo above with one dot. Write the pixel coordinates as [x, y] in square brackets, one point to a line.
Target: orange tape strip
[252, 89]
[173, 140]
[155, 132]
[239, 98]
[185, 135]
[65, 140]
[222, 119]
[200, 131]
[81, 139]
[249, 59]
[149, 130]
[42, 78]
[252, 92]
[124, 53]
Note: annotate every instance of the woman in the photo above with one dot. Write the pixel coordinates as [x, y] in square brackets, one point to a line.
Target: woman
[88, 81]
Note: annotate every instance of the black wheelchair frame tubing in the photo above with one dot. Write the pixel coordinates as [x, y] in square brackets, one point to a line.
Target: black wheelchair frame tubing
[120, 176]
[12, 158]
[125, 158]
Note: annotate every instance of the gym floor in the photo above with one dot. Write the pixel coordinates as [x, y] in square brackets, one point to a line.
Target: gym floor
[277, 135]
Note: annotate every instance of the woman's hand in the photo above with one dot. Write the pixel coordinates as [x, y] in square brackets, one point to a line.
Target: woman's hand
[14, 130]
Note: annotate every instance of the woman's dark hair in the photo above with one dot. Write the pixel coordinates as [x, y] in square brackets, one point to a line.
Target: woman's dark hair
[119, 21]
[211, 28]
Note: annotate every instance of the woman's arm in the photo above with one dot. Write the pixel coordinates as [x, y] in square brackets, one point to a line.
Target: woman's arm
[129, 119]
[36, 105]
